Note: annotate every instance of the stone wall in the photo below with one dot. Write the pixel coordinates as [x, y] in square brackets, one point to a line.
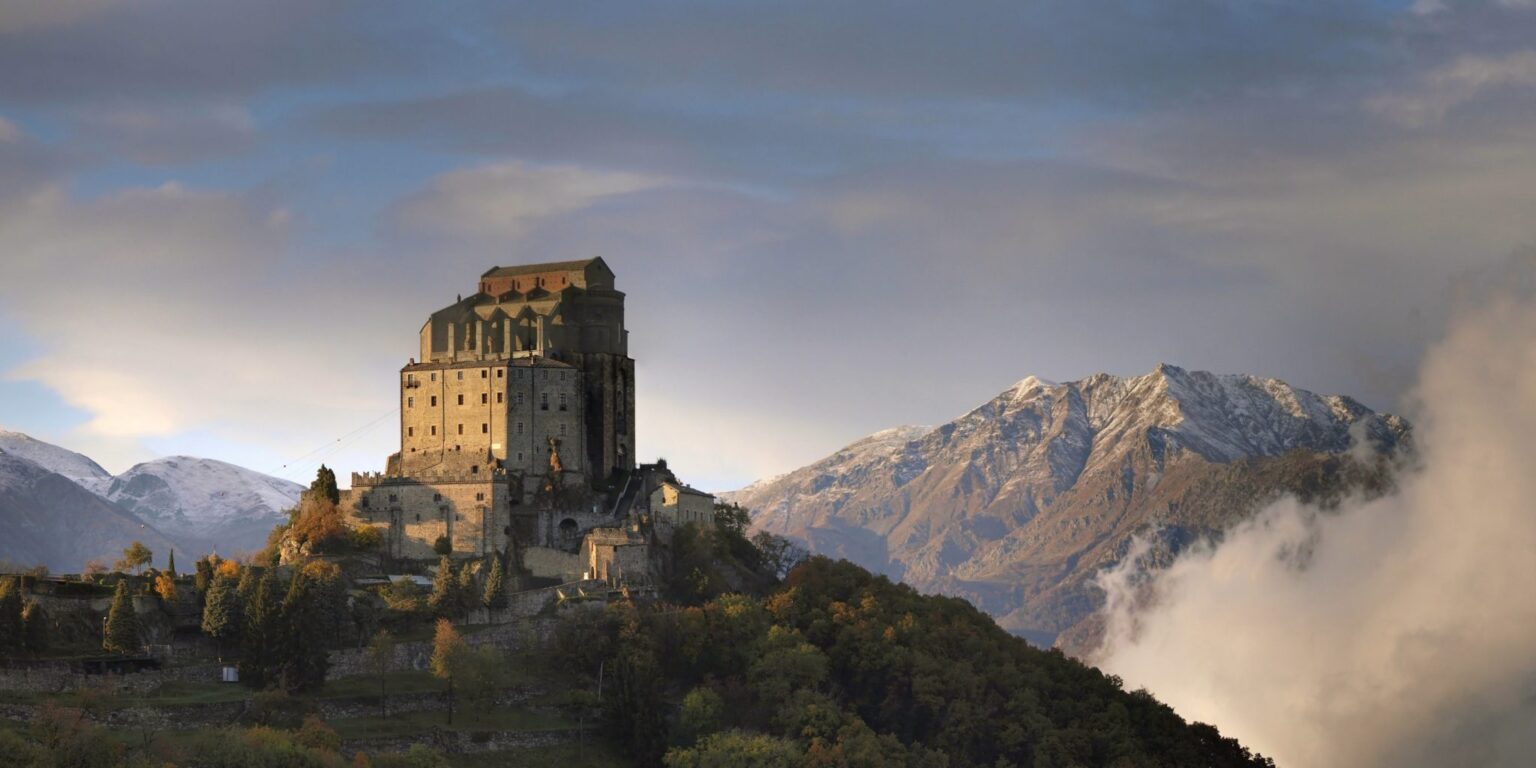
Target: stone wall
[547, 563]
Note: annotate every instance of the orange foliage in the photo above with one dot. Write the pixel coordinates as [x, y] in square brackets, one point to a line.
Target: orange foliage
[228, 568]
[319, 522]
[165, 587]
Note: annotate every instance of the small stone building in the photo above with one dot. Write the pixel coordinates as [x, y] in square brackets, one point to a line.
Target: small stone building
[677, 504]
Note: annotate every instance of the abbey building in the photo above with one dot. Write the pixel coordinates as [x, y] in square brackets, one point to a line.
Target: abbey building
[517, 426]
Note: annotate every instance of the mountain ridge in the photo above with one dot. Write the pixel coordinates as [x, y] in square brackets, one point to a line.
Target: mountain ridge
[1017, 502]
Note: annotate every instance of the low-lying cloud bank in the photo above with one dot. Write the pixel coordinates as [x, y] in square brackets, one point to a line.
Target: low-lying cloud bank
[1399, 631]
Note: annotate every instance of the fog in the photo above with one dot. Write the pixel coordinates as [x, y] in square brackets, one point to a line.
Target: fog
[1399, 631]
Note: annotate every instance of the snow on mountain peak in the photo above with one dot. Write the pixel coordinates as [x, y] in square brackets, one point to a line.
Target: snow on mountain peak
[186, 495]
[84, 472]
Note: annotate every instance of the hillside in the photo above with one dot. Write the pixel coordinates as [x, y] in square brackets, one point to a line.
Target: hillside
[49, 520]
[1016, 504]
[77, 467]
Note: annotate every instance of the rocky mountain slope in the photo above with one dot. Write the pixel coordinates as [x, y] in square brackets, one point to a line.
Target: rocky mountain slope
[47, 519]
[1017, 504]
[204, 501]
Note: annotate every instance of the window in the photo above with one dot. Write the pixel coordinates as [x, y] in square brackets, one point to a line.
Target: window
[519, 399]
[434, 430]
[562, 430]
[519, 457]
[461, 375]
[393, 497]
[410, 402]
[437, 497]
[434, 375]
[543, 401]
[461, 429]
[418, 517]
[479, 497]
[474, 470]
[499, 372]
[485, 373]
[410, 431]
[498, 398]
[484, 398]
[485, 429]
[519, 429]
[562, 401]
[461, 399]
[434, 401]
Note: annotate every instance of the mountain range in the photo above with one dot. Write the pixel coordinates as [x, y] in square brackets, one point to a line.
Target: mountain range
[1019, 503]
[61, 509]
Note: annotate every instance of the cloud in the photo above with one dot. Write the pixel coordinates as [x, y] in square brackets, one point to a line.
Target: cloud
[1457, 83]
[1399, 631]
[23, 15]
[504, 200]
[165, 134]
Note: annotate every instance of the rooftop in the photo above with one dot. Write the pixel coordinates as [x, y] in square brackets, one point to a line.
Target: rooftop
[533, 269]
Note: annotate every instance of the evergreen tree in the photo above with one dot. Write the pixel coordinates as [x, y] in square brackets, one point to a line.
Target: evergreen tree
[204, 579]
[122, 635]
[445, 587]
[303, 662]
[263, 637]
[11, 633]
[325, 486]
[222, 610]
[170, 564]
[34, 624]
[495, 596]
[465, 595]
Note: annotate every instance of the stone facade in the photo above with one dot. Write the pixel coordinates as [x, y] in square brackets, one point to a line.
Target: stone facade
[677, 504]
[522, 400]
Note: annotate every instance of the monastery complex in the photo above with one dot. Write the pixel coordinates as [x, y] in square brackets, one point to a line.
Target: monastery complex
[517, 435]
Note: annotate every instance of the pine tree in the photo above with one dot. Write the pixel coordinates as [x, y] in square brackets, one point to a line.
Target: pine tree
[444, 598]
[325, 486]
[204, 579]
[303, 662]
[222, 610]
[34, 622]
[11, 633]
[465, 596]
[122, 635]
[263, 636]
[170, 564]
[495, 596]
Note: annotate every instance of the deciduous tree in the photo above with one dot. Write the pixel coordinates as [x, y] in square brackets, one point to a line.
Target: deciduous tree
[135, 557]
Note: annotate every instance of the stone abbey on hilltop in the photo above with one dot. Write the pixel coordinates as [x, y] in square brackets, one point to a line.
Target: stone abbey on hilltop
[517, 434]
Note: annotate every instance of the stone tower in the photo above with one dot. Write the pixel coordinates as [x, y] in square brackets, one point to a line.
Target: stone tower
[556, 331]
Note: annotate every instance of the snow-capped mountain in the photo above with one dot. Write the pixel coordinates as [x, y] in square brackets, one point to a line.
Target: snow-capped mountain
[81, 469]
[200, 504]
[205, 500]
[48, 519]
[1016, 504]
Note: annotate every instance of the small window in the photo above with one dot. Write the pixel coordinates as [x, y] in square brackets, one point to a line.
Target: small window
[499, 372]
[410, 402]
[519, 430]
[437, 497]
[461, 429]
[562, 430]
[393, 497]
[418, 517]
[484, 398]
[474, 470]
[519, 457]
[562, 401]
[519, 399]
[543, 401]
[479, 497]
[434, 375]
[460, 375]
[461, 399]
[498, 398]
[484, 373]
[410, 431]
[485, 429]
[434, 430]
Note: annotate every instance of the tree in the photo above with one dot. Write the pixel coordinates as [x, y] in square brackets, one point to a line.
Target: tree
[165, 587]
[324, 486]
[34, 626]
[700, 715]
[122, 633]
[204, 578]
[135, 557]
[306, 620]
[465, 595]
[444, 601]
[448, 656]
[495, 596]
[442, 546]
[222, 610]
[170, 564]
[738, 749]
[381, 659]
[12, 634]
[263, 635]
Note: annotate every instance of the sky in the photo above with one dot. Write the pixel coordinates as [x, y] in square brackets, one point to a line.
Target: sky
[222, 223]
